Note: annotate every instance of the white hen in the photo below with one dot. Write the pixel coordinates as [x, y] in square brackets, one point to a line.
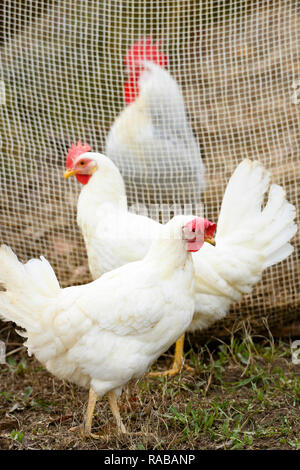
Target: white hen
[249, 238]
[103, 334]
[152, 141]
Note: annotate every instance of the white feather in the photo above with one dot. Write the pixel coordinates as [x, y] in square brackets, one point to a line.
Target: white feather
[111, 330]
[249, 238]
[153, 144]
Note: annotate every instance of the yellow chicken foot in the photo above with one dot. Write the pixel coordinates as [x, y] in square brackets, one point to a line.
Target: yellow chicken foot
[115, 411]
[178, 360]
[87, 423]
[190, 369]
[86, 427]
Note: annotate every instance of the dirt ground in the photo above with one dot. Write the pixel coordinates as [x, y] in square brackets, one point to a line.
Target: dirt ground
[243, 394]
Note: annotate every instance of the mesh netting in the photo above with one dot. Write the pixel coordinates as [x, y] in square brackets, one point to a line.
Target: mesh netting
[62, 75]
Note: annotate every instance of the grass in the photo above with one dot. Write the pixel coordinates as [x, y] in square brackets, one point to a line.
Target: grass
[244, 394]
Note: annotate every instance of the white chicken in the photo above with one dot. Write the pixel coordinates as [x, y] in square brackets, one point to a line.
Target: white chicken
[249, 239]
[152, 141]
[103, 334]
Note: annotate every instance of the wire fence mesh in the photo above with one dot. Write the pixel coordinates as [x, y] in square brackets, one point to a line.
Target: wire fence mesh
[62, 77]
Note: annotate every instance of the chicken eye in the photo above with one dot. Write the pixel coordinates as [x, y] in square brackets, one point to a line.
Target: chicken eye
[193, 230]
[82, 163]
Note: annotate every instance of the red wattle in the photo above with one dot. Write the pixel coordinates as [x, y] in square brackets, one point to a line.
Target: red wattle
[194, 246]
[131, 89]
[83, 179]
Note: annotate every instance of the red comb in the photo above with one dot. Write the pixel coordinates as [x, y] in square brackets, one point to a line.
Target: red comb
[205, 225]
[210, 228]
[75, 151]
[143, 50]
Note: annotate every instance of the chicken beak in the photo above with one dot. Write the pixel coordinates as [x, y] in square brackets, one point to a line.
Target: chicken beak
[210, 240]
[69, 172]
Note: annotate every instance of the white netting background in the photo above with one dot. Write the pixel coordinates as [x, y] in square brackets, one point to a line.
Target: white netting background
[62, 74]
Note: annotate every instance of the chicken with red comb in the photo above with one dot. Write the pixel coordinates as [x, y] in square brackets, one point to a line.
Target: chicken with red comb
[73, 160]
[250, 238]
[152, 141]
[105, 333]
[200, 226]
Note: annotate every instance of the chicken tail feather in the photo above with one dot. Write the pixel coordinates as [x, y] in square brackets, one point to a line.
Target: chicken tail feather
[27, 287]
[269, 228]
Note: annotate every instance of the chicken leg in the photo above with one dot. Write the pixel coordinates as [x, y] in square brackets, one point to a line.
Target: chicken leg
[87, 423]
[177, 363]
[86, 427]
[115, 411]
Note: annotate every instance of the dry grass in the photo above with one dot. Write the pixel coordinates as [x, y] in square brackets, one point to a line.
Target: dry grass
[245, 394]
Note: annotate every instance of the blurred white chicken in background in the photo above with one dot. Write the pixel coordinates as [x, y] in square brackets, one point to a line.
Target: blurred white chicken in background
[250, 238]
[103, 334]
[152, 141]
